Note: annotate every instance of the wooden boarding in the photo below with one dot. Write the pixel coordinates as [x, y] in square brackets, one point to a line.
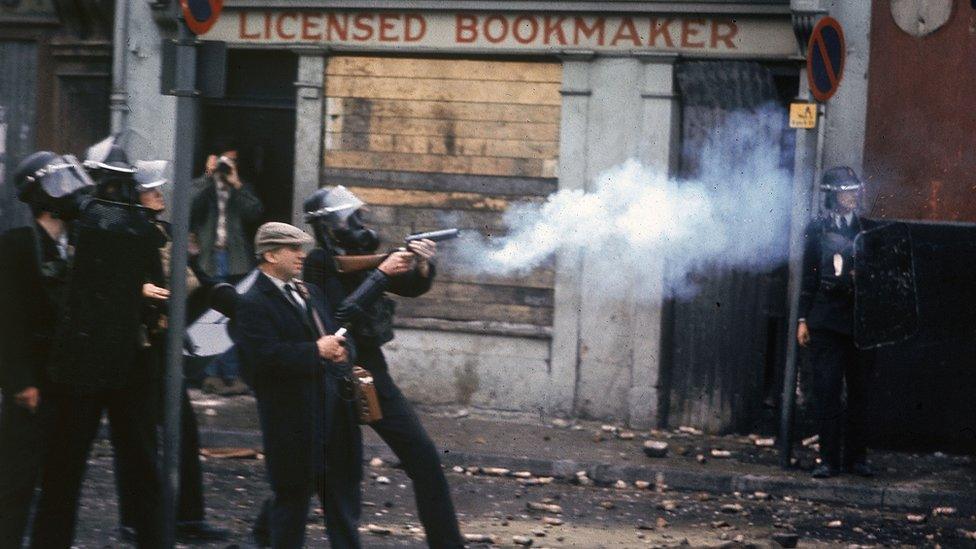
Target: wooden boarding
[455, 69]
[442, 110]
[519, 167]
[519, 93]
[462, 146]
[468, 310]
[445, 130]
[426, 199]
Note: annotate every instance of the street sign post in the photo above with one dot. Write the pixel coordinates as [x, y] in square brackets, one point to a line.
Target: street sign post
[825, 58]
[200, 15]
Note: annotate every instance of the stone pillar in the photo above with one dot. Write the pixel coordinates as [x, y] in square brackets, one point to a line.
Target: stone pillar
[574, 120]
[658, 148]
[309, 123]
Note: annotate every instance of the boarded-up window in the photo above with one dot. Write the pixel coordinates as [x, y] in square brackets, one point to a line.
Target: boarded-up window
[435, 142]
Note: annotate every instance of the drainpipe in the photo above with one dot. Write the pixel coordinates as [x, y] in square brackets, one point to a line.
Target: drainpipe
[118, 100]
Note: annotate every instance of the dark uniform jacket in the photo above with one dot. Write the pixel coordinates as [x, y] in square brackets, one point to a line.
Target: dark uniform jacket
[359, 301]
[31, 290]
[295, 388]
[827, 300]
[244, 209]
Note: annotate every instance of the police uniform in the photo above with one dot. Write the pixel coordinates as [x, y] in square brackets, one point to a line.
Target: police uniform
[827, 308]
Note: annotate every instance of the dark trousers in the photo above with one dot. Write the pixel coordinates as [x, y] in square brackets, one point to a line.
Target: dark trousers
[22, 443]
[190, 499]
[338, 490]
[836, 363]
[402, 431]
[131, 417]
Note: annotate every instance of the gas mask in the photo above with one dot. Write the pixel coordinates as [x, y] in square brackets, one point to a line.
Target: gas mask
[337, 219]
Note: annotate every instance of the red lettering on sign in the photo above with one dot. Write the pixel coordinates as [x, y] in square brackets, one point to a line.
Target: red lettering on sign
[581, 28]
[551, 28]
[386, 24]
[267, 25]
[310, 22]
[337, 29]
[280, 28]
[465, 29]
[364, 28]
[687, 33]
[524, 21]
[244, 35]
[486, 30]
[726, 37]
[660, 29]
[627, 31]
[409, 33]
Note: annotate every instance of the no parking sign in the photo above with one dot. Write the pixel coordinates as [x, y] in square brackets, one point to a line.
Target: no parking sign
[200, 15]
[825, 58]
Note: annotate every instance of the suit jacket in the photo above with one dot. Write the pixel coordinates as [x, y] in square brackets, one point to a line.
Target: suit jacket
[296, 395]
[244, 209]
[29, 307]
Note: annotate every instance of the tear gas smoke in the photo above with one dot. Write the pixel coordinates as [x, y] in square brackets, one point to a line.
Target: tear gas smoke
[733, 215]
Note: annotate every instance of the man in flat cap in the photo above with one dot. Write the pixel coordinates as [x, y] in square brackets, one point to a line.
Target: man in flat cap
[826, 327]
[301, 374]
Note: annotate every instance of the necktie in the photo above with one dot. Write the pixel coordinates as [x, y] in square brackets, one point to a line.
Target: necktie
[292, 293]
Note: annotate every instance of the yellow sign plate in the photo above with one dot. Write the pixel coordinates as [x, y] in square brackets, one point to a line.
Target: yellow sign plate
[803, 115]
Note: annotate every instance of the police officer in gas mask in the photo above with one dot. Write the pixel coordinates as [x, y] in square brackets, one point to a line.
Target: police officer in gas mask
[33, 280]
[826, 326]
[362, 304]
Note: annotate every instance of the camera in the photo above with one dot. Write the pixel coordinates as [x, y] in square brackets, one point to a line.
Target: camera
[224, 165]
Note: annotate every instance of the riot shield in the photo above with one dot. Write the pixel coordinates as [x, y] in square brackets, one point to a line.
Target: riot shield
[915, 280]
[99, 333]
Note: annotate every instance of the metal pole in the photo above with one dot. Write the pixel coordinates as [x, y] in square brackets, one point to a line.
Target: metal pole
[119, 98]
[186, 132]
[806, 159]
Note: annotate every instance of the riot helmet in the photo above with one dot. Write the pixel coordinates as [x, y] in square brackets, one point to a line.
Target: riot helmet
[49, 182]
[149, 180]
[836, 181]
[108, 163]
[335, 216]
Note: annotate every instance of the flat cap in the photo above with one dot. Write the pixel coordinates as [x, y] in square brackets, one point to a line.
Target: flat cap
[274, 235]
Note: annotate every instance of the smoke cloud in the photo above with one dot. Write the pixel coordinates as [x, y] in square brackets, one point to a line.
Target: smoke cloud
[733, 215]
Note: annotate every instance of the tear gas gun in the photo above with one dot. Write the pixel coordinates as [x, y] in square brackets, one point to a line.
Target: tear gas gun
[355, 263]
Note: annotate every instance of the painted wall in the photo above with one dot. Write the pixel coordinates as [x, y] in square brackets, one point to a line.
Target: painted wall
[919, 156]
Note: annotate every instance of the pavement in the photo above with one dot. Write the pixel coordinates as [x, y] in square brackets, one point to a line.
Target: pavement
[607, 455]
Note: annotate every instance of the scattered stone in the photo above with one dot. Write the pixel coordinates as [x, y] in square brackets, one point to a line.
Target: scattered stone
[644, 526]
[607, 505]
[210, 412]
[458, 469]
[761, 496]
[732, 508]
[376, 462]
[642, 484]
[552, 521]
[522, 474]
[700, 458]
[598, 437]
[655, 448]
[721, 454]
[539, 533]
[739, 539]
[943, 511]
[608, 429]
[721, 524]
[765, 442]
[535, 481]
[689, 430]
[560, 423]
[230, 453]
[382, 480]
[703, 496]
[621, 485]
[626, 435]
[463, 413]
[659, 486]
[544, 507]
[473, 470]
[661, 523]
[524, 541]
[834, 524]
[786, 539]
[378, 530]
[810, 441]
[916, 519]
[480, 440]
[668, 505]
[724, 536]
[495, 471]
[682, 450]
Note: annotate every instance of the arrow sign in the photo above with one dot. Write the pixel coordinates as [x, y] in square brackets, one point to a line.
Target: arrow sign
[200, 15]
[825, 58]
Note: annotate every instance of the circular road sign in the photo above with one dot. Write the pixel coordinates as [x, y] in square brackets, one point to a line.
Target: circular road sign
[825, 58]
[200, 15]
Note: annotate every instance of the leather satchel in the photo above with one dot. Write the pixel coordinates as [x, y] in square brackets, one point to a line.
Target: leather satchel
[367, 399]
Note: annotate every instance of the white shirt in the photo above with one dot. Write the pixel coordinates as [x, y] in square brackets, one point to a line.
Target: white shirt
[290, 296]
[849, 217]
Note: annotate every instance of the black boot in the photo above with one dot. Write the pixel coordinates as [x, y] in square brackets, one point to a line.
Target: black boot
[824, 471]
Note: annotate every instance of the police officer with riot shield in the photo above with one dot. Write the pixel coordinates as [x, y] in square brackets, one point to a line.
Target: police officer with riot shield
[98, 360]
[826, 325]
[33, 279]
[361, 303]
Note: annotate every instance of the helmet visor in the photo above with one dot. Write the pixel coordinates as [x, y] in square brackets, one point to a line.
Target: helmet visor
[150, 174]
[337, 206]
[62, 177]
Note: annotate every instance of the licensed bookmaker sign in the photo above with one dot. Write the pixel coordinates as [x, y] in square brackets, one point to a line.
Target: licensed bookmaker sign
[722, 36]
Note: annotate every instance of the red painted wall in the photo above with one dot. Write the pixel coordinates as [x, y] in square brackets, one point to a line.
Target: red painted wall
[920, 143]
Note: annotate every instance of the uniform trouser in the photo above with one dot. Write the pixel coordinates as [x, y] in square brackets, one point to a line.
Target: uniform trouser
[836, 362]
[22, 442]
[338, 490]
[190, 499]
[131, 416]
[402, 431]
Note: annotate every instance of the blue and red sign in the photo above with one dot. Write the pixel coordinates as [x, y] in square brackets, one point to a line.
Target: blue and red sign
[200, 15]
[825, 58]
